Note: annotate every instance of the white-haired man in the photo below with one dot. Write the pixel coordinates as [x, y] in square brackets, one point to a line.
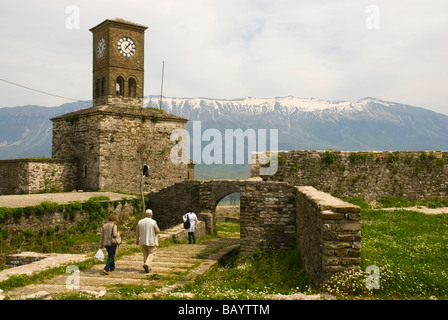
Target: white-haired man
[146, 234]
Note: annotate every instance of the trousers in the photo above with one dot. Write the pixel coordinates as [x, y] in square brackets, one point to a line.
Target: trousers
[191, 237]
[148, 254]
[110, 264]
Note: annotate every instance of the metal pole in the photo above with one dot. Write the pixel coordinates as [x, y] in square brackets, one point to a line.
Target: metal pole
[161, 89]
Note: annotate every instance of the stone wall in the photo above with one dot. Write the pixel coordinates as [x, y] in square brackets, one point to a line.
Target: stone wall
[267, 211]
[36, 175]
[267, 216]
[112, 145]
[328, 233]
[372, 175]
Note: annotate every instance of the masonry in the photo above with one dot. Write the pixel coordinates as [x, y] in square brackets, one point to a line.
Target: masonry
[19, 176]
[328, 231]
[275, 215]
[267, 212]
[415, 175]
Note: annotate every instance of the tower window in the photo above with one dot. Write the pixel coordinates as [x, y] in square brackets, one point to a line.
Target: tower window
[145, 171]
[120, 86]
[98, 88]
[132, 84]
[103, 86]
[84, 171]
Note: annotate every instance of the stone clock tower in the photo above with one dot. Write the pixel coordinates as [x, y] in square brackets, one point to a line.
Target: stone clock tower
[118, 63]
[118, 144]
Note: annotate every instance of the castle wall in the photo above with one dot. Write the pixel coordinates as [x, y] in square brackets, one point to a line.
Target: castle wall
[76, 137]
[128, 143]
[372, 175]
[36, 175]
[274, 215]
[328, 232]
[112, 145]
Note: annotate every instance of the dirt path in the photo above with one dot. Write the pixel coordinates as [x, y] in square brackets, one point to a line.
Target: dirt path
[443, 210]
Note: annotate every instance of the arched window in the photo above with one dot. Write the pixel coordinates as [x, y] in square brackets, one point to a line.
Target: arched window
[103, 86]
[132, 86]
[97, 88]
[145, 171]
[120, 86]
[84, 171]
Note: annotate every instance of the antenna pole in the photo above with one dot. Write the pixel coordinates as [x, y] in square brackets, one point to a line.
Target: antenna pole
[161, 89]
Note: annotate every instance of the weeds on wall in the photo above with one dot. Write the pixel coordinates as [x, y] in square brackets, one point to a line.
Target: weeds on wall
[60, 238]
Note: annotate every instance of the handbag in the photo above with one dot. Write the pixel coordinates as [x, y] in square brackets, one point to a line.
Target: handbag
[117, 240]
[187, 223]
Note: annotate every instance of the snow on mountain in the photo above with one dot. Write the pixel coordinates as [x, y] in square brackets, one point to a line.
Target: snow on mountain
[310, 123]
[302, 123]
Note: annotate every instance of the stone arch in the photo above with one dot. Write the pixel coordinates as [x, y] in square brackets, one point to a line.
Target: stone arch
[98, 88]
[119, 86]
[103, 86]
[229, 211]
[132, 87]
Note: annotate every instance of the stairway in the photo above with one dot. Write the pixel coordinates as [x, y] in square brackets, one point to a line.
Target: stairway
[173, 266]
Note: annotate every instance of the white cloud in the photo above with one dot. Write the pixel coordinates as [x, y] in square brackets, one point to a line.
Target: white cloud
[230, 49]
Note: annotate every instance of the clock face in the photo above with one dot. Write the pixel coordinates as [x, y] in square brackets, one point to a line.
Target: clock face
[126, 46]
[100, 48]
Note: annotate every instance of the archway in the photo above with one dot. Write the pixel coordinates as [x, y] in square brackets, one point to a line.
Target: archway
[227, 215]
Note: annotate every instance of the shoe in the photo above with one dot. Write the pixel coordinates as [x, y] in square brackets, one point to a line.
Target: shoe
[146, 268]
[105, 272]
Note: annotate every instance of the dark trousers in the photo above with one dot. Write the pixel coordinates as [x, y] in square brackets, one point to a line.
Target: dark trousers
[110, 264]
[191, 236]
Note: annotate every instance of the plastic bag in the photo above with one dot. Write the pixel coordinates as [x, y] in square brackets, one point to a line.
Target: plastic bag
[99, 256]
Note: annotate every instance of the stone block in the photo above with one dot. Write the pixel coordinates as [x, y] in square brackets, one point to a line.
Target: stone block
[330, 215]
[349, 226]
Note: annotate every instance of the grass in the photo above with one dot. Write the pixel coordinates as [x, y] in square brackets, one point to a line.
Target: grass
[409, 248]
[251, 276]
[397, 202]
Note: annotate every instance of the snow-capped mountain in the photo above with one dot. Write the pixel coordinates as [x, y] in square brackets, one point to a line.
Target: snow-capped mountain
[367, 124]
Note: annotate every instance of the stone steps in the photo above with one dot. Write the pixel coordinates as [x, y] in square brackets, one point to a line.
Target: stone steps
[173, 266]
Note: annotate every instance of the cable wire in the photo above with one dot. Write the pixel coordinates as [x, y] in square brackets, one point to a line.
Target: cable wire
[50, 94]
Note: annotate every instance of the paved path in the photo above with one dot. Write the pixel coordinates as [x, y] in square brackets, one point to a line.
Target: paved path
[173, 266]
[24, 200]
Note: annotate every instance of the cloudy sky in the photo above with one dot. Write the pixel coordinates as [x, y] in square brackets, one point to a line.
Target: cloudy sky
[332, 50]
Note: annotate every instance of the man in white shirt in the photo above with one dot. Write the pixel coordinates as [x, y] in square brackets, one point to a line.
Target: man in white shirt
[146, 234]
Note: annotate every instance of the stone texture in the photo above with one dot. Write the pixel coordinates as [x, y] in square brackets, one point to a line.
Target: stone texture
[19, 176]
[415, 175]
[267, 211]
[329, 241]
[111, 145]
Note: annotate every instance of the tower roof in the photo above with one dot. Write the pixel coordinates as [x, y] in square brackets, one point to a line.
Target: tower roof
[121, 22]
[132, 112]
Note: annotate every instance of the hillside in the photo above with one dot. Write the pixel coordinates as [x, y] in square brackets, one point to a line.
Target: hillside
[303, 124]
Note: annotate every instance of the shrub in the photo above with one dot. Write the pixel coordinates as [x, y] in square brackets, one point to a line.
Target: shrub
[329, 156]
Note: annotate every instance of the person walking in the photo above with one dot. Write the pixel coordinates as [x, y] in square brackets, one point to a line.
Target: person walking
[108, 232]
[146, 234]
[193, 219]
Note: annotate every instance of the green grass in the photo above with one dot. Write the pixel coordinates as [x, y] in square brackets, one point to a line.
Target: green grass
[251, 276]
[409, 248]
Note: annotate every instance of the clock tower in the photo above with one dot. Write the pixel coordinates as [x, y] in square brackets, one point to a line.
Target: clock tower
[118, 63]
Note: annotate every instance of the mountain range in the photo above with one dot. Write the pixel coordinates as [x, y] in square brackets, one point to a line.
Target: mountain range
[302, 123]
